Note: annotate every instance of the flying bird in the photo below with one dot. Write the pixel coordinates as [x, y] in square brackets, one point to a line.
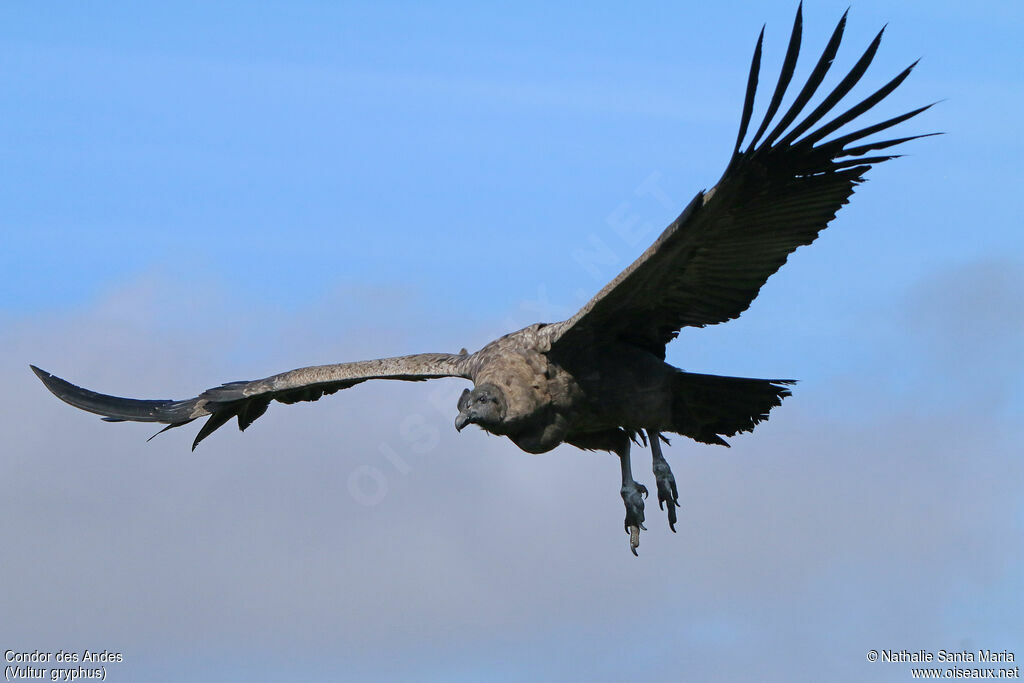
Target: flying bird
[599, 380]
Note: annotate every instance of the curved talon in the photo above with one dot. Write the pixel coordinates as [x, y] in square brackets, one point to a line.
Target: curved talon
[667, 490]
[634, 539]
[673, 503]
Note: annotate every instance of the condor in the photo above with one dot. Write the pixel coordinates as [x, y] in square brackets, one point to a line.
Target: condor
[599, 380]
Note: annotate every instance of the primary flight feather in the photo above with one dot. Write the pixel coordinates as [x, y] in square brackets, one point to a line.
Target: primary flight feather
[599, 380]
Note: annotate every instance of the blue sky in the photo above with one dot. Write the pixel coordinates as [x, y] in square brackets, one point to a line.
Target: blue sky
[222, 191]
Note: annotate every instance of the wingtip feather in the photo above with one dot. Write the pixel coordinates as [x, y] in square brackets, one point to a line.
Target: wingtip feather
[748, 99]
[785, 76]
[44, 376]
[817, 75]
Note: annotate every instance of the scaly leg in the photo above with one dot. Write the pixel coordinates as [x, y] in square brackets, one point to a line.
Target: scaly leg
[667, 492]
[634, 501]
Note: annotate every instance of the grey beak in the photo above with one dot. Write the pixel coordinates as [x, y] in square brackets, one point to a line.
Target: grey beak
[461, 421]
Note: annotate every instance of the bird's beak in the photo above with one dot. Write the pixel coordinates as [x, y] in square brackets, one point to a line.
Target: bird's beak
[461, 421]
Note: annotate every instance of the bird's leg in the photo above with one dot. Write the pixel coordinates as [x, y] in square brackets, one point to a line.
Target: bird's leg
[633, 495]
[667, 492]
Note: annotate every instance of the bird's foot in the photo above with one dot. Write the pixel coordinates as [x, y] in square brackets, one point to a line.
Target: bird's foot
[667, 491]
[633, 495]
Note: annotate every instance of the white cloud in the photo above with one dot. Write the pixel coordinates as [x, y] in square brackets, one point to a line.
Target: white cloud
[840, 530]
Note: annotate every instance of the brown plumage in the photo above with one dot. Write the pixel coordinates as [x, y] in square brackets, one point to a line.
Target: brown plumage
[599, 380]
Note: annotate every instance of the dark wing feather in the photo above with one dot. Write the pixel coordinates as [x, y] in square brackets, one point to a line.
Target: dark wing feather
[710, 263]
[788, 67]
[247, 401]
[748, 101]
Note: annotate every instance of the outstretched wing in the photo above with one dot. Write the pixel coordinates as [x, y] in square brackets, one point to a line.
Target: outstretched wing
[248, 400]
[778, 194]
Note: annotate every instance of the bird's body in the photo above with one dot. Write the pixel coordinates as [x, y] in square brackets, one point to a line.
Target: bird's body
[599, 380]
[554, 398]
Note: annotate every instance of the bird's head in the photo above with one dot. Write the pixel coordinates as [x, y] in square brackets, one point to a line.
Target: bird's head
[484, 405]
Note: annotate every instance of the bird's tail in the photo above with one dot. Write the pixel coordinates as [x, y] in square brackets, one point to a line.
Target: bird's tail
[708, 407]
